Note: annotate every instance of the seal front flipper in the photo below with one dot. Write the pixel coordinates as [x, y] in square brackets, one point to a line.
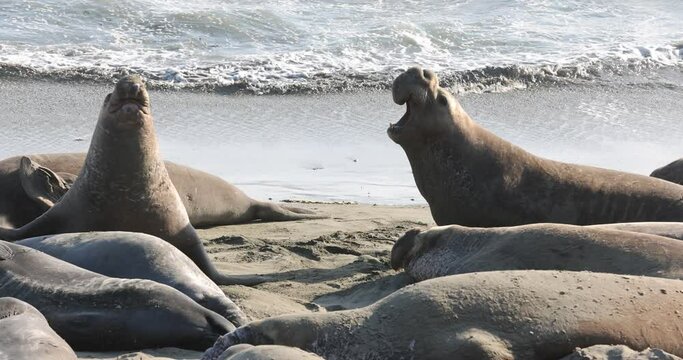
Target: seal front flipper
[41, 184]
[49, 222]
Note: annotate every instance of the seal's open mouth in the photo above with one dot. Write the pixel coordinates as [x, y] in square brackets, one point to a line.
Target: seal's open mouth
[398, 126]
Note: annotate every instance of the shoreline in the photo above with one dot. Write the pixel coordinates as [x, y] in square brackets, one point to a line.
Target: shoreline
[333, 147]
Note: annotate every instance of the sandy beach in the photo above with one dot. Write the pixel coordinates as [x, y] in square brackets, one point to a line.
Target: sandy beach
[337, 263]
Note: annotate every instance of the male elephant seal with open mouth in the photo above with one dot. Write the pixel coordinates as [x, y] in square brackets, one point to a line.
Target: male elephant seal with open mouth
[124, 185]
[95, 312]
[455, 249]
[471, 177]
[672, 172]
[26, 335]
[489, 315]
[32, 184]
[138, 256]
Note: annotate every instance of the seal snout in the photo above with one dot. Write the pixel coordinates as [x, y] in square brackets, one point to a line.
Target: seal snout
[414, 84]
[402, 252]
[414, 88]
[130, 87]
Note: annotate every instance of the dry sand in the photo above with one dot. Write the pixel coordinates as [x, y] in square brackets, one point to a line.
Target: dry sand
[341, 262]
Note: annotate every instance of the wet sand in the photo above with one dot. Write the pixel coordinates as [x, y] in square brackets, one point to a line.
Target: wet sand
[333, 147]
[341, 262]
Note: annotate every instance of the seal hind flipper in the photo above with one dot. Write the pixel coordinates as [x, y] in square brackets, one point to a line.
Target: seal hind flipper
[267, 211]
[41, 184]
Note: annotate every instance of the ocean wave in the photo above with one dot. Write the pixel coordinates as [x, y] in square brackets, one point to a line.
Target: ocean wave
[263, 77]
[327, 46]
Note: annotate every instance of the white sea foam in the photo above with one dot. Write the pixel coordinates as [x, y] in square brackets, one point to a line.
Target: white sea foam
[292, 46]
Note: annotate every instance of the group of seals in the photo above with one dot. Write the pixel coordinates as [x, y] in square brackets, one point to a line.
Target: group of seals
[454, 249]
[95, 312]
[26, 335]
[488, 315]
[129, 255]
[471, 177]
[124, 185]
[114, 281]
[29, 185]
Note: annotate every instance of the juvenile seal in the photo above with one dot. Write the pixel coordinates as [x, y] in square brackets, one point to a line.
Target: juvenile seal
[26, 335]
[124, 185]
[95, 312]
[672, 172]
[489, 315]
[471, 177]
[138, 256]
[29, 185]
[454, 249]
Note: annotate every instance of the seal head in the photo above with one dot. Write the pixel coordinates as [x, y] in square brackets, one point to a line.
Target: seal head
[428, 108]
[128, 106]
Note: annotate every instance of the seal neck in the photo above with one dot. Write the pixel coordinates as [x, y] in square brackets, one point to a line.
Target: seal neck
[124, 160]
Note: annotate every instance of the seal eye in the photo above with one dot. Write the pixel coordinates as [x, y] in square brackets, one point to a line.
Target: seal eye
[106, 98]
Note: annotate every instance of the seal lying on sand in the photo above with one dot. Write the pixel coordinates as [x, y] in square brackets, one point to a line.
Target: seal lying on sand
[25, 334]
[266, 352]
[31, 185]
[95, 312]
[488, 315]
[454, 249]
[138, 256]
[124, 185]
[471, 177]
[672, 172]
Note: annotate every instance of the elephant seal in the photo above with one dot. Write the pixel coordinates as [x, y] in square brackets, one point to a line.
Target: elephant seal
[266, 352]
[29, 185]
[26, 334]
[489, 315]
[455, 249]
[93, 312]
[619, 352]
[672, 172]
[471, 177]
[124, 185]
[138, 256]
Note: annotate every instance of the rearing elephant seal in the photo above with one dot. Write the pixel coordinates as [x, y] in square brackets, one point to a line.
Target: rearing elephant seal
[489, 315]
[124, 185]
[455, 249]
[30, 185]
[672, 172]
[471, 177]
[25, 334]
